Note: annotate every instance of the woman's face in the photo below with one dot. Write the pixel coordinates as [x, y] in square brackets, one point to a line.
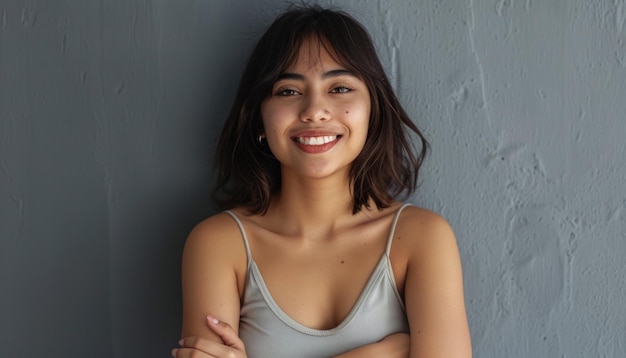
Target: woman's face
[316, 119]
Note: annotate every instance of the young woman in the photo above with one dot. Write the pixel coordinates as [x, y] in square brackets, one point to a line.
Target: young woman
[316, 257]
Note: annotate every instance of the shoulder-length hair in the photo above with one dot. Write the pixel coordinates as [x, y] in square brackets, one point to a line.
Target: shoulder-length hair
[388, 165]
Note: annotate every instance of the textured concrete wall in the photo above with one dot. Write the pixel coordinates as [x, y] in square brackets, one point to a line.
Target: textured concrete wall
[109, 113]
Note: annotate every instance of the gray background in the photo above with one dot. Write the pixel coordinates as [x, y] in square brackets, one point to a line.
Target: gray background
[110, 112]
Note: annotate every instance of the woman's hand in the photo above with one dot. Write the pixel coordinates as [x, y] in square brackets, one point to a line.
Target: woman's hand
[198, 347]
[396, 345]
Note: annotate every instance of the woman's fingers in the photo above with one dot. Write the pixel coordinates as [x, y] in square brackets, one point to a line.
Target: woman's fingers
[200, 347]
[190, 353]
[196, 347]
[226, 333]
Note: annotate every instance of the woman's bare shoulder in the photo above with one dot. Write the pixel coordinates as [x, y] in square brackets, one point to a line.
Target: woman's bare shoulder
[424, 229]
[213, 273]
[417, 217]
[219, 232]
[433, 288]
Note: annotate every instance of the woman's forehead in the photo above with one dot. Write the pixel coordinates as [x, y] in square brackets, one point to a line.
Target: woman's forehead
[313, 51]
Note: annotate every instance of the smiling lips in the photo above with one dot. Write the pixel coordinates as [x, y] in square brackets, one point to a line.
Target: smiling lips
[318, 144]
[316, 140]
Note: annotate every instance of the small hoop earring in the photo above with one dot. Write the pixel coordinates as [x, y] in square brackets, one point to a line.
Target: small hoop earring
[260, 138]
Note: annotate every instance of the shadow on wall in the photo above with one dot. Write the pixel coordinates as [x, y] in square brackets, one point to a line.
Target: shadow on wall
[110, 115]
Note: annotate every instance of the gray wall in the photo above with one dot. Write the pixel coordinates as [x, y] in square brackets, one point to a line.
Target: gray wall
[110, 112]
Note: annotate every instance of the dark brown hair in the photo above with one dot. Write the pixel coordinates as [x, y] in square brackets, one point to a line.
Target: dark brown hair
[388, 165]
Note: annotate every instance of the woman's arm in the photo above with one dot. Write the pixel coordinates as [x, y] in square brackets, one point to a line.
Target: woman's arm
[392, 346]
[433, 288]
[213, 268]
[198, 347]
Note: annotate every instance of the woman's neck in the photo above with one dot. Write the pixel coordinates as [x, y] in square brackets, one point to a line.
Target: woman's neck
[310, 208]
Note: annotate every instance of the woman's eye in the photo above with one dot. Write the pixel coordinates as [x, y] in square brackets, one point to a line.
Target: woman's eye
[341, 89]
[286, 92]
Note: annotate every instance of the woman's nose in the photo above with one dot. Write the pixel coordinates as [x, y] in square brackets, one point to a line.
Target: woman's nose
[314, 108]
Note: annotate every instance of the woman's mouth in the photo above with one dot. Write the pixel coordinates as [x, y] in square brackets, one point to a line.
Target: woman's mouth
[316, 144]
[320, 140]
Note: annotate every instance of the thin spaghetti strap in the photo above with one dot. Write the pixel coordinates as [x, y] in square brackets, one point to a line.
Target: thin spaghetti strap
[243, 233]
[393, 227]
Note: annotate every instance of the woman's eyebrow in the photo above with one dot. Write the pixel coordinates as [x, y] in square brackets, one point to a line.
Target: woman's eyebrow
[325, 75]
[290, 76]
[338, 72]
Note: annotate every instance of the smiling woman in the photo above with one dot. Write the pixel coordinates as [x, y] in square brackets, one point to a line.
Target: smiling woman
[321, 107]
[315, 256]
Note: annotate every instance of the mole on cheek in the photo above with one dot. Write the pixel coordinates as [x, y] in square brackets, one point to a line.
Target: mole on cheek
[347, 112]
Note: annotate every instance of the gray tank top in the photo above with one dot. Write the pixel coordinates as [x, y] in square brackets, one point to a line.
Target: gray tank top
[269, 332]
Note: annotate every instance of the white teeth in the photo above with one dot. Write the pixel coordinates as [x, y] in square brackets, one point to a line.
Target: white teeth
[316, 140]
